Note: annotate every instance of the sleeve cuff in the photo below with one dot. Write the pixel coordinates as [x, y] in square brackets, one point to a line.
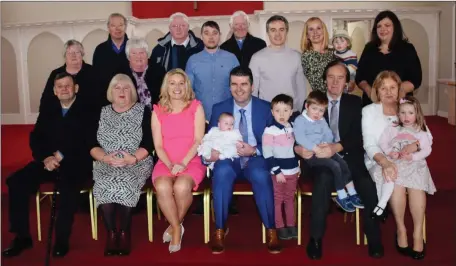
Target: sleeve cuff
[277, 171]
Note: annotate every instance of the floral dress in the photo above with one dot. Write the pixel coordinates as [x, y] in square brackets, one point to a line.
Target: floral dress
[314, 64]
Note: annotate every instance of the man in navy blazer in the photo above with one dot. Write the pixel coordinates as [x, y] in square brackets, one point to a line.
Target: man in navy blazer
[258, 116]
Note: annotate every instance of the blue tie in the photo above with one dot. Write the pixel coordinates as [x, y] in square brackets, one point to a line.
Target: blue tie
[240, 44]
[245, 135]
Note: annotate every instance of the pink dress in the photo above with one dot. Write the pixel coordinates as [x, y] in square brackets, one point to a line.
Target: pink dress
[178, 132]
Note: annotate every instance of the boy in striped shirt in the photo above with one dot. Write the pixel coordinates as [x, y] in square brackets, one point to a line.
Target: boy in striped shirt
[278, 142]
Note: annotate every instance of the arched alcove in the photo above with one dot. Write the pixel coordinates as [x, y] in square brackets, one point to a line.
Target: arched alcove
[294, 35]
[10, 88]
[152, 37]
[91, 41]
[417, 35]
[358, 41]
[45, 53]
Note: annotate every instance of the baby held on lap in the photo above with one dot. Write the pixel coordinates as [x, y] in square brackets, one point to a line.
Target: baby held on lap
[224, 138]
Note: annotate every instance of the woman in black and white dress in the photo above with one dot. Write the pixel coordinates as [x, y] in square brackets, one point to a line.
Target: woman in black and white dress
[122, 150]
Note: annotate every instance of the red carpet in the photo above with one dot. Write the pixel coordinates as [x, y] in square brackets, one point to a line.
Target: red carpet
[244, 240]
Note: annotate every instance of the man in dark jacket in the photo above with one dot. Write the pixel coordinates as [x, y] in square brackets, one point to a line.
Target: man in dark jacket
[60, 148]
[242, 43]
[176, 47]
[109, 56]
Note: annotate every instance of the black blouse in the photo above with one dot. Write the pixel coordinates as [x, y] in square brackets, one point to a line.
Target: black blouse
[403, 60]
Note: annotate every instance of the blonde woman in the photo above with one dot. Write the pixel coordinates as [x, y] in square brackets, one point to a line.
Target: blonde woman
[315, 52]
[121, 148]
[178, 126]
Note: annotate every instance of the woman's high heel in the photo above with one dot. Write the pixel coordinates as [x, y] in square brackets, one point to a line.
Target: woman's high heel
[402, 250]
[419, 255]
[176, 248]
[166, 236]
[382, 217]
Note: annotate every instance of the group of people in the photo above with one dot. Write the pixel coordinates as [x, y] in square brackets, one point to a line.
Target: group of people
[242, 109]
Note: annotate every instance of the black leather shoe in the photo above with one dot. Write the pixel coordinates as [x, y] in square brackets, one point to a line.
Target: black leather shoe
[405, 251]
[17, 246]
[60, 250]
[314, 249]
[382, 217]
[419, 255]
[376, 251]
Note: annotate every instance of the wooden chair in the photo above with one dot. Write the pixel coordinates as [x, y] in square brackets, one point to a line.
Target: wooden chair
[47, 189]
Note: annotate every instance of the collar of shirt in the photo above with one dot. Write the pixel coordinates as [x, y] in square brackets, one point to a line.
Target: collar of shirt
[280, 126]
[205, 52]
[173, 42]
[247, 108]
[122, 47]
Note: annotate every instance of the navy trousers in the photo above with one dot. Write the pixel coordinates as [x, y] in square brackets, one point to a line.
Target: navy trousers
[226, 172]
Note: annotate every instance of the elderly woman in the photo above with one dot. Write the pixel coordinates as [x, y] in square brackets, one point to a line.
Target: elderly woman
[388, 50]
[178, 125]
[122, 149]
[315, 52]
[146, 80]
[83, 74]
[375, 118]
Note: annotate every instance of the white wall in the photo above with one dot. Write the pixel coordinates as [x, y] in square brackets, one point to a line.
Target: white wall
[288, 6]
[27, 12]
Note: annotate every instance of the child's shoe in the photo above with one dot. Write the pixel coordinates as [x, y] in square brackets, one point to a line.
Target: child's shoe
[293, 232]
[356, 201]
[345, 204]
[282, 233]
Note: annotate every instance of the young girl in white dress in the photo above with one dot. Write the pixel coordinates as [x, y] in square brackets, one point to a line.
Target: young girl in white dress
[224, 138]
[413, 171]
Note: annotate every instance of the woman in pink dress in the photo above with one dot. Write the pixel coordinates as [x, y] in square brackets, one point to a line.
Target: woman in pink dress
[178, 124]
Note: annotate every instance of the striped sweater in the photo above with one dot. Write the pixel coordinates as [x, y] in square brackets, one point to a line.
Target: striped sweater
[278, 143]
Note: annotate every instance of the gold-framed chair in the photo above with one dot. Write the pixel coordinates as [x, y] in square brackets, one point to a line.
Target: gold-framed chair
[45, 190]
[305, 188]
[148, 191]
[241, 189]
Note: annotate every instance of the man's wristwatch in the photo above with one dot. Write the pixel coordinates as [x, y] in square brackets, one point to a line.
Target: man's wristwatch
[254, 153]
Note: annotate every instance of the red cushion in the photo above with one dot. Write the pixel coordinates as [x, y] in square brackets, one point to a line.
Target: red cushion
[242, 186]
[305, 184]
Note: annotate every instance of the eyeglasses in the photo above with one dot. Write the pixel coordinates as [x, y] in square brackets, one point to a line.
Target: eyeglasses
[182, 26]
[74, 53]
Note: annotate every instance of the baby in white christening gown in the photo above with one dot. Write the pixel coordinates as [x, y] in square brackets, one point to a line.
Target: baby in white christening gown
[222, 138]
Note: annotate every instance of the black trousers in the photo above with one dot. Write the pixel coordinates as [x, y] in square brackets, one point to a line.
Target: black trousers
[26, 181]
[337, 165]
[321, 197]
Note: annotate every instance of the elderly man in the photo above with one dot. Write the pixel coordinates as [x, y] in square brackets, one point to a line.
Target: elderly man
[349, 144]
[252, 116]
[242, 44]
[174, 50]
[109, 56]
[277, 68]
[59, 148]
[209, 70]
[147, 79]
[84, 75]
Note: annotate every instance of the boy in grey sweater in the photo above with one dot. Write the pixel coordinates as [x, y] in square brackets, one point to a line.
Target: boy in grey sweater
[310, 130]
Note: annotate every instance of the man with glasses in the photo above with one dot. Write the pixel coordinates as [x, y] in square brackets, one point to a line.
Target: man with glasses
[176, 47]
[242, 44]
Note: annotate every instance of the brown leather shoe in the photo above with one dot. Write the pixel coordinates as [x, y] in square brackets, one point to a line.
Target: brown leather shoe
[272, 241]
[218, 245]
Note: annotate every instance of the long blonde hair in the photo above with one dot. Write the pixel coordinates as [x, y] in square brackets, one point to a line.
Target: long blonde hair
[305, 41]
[165, 99]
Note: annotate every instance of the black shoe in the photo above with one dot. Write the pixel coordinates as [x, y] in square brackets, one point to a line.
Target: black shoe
[314, 249]
[419, 255]
[60, 250]
[382, 217]
[17, 246]
[282, 233]
[376, 251]
[293, 232]
[405, 251]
